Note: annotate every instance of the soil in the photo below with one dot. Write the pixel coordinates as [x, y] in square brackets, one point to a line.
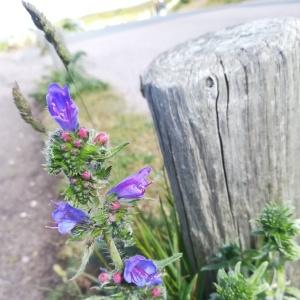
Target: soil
[27, 250]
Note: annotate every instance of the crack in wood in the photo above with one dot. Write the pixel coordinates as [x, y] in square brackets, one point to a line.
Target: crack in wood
[222, 153]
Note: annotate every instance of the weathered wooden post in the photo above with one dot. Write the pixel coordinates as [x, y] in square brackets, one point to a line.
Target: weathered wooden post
[226, 107]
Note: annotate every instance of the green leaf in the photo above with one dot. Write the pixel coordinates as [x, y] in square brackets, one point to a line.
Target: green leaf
[293, 292]
[187, 294]
[113, 151]
[165, 262]
[258, 274]
[85, 259]
[95, 298]
[104, 172]
[214, 267]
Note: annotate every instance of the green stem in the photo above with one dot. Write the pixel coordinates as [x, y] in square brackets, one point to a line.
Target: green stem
[114, 253]
[281, 285]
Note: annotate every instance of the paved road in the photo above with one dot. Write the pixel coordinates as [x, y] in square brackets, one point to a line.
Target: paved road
[117, 55]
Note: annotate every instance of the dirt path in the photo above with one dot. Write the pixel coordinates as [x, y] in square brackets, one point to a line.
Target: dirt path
[26, 251]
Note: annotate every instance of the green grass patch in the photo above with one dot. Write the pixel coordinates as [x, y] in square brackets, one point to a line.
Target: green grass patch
[125, 13]
[213, 2]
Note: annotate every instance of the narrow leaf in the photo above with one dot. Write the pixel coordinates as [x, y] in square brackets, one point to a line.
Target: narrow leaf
[259, 273]
[84, 261]
[165, 262]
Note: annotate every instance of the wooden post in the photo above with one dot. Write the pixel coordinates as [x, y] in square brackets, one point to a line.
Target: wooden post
[226, 107]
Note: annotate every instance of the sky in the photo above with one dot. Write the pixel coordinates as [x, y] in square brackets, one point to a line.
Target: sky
[15, 21]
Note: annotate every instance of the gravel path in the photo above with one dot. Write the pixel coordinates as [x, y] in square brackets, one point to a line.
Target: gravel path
[26, 251]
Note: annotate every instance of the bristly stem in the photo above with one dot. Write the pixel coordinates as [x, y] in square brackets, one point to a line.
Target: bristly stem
[113, 250]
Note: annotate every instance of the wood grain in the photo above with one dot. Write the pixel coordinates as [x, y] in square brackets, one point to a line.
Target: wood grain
[227, 114]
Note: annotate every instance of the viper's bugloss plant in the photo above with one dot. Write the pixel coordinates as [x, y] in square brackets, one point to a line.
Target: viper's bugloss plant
[278, 230]
[93, 212]
[261, 272]
[234, 285]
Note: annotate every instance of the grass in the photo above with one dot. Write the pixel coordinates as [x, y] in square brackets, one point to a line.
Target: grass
[159, 236]
[213, 2]
[128, 14]
[121, 15]
[196, 4]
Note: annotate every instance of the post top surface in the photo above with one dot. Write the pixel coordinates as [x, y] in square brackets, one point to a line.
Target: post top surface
[252, 37]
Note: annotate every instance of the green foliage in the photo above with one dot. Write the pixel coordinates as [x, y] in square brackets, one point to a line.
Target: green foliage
[211, 2]
[276, 232]
[69, 25]
[88, 251]
[4, 46]
[161, 238]
[234, 285]
[65, 291]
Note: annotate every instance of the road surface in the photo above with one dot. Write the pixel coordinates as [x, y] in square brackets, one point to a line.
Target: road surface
[118, 55]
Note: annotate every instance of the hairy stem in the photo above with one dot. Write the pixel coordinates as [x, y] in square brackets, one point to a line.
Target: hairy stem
[114, 252]
[281, 285]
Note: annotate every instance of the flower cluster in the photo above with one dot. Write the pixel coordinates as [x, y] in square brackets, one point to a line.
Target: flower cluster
[88, 211]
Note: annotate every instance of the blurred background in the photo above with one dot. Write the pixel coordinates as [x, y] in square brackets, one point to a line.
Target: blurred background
[111, 44]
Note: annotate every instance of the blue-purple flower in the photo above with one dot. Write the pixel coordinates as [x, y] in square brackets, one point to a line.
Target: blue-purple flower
[61, 107]
[132, 187]
[67, 217]
[141, 271]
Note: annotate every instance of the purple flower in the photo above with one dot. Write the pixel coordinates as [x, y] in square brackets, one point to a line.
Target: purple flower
[132, 187]
[67, 217]
[141, 271]
[61, 107]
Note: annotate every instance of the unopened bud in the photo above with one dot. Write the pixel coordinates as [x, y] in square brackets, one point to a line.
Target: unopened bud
[155, 292]
[101, 139]
[86, 175]
[77, 143]
[65, 136]
[115, 205]
[103, 277]
[83, 133]
[117, 278]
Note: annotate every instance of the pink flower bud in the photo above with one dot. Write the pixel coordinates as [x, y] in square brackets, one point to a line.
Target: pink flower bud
[117, 278]
[101, 138]
[103, 277]
[86, 175]
[115, 205]
[155, 292]
[65, 136]
[77, 143]
[83, 133]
